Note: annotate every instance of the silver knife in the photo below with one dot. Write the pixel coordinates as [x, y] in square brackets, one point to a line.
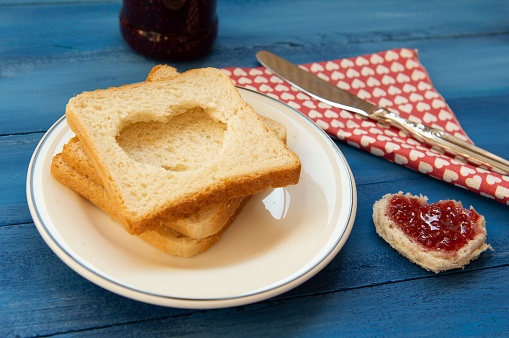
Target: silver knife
[336, 97]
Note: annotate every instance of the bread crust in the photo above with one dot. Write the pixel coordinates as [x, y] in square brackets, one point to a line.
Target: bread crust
[161, 238]
[161, 72]
[431, 260]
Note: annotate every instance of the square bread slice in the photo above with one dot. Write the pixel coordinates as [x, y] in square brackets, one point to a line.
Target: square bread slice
[185, 237]
[162, 237]
[164, 149]
[205, 222]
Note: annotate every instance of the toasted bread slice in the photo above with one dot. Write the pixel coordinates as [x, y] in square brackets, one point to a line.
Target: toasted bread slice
[435, 249]
[75, 156]
[163, 238]
[206, 222]
[167, 148]
[81, 177]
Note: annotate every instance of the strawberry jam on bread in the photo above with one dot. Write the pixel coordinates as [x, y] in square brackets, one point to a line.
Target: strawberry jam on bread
[438, 236]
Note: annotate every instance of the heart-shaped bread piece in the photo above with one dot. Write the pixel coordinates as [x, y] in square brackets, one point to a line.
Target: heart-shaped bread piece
[438, 236]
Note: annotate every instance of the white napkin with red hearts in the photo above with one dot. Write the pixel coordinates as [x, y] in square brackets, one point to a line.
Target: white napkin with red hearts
[394, 79]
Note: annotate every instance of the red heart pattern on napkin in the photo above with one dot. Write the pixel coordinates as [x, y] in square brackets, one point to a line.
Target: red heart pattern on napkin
[394, 79]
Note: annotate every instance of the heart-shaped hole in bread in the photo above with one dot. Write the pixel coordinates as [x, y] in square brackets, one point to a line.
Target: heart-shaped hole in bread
[186, 142]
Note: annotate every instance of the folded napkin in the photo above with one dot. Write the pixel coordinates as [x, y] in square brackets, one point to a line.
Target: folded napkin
[394, 79]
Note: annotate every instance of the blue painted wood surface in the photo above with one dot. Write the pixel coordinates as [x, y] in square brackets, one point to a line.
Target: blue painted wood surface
[52, 50]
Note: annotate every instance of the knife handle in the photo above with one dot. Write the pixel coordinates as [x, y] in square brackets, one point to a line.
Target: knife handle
[448, 143]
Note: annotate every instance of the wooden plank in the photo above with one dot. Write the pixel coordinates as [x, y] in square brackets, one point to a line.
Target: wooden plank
[366, 311]
[79, 308]
[15, 154]
[40, 295]
[331, 22]
[16, 151]
[32, 274]
[67, 59]
[462, 44]
[21, 115]
[424, 307]
[365, 260]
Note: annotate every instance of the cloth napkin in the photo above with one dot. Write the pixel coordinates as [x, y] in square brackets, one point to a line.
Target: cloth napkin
[394, 79]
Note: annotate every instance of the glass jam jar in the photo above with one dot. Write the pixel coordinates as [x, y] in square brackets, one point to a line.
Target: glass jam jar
[172, 30]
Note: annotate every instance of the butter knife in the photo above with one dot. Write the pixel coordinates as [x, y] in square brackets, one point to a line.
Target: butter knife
[336, 97]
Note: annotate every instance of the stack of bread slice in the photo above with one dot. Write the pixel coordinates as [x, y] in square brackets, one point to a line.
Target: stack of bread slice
[173, 159]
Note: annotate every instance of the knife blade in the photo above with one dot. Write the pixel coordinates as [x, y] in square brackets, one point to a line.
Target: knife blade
[336, 97]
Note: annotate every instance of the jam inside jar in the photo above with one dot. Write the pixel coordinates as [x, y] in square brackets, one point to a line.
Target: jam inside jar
[442, 226]
[172, 30]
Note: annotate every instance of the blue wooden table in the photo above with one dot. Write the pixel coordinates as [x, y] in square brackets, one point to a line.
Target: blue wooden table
[53, 50]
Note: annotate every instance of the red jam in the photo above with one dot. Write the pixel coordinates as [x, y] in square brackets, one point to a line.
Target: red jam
[171, 30]
[443, 226]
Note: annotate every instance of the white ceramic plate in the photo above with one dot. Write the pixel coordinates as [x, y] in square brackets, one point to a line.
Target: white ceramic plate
[282, 238]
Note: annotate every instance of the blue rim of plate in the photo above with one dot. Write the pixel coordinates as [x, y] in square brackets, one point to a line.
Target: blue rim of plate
[172, 301]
